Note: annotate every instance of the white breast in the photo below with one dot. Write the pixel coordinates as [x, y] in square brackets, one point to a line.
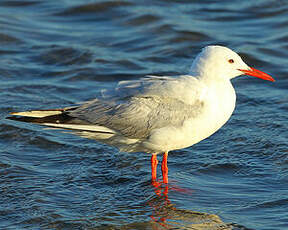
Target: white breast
[219, 103]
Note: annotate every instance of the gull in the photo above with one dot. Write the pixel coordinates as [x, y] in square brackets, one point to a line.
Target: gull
[157, 114]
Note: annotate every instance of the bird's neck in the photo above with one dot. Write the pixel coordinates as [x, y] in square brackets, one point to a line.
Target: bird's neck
[220, 93]
[220, 98]
[214, 81]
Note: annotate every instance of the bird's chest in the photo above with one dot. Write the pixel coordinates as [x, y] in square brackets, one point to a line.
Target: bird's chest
[219, 104]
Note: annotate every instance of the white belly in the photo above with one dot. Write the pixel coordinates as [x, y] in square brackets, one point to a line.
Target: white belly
[218, 107]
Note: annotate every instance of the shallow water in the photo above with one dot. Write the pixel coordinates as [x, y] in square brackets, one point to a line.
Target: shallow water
[57, 53]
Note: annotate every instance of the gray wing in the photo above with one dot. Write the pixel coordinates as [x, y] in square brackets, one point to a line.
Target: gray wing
[149, 85]
[136, 116]
[136, 107]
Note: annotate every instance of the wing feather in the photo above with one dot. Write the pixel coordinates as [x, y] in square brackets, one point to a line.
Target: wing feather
[137, 107]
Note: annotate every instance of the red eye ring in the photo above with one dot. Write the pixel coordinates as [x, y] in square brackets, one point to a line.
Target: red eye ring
[231, 61]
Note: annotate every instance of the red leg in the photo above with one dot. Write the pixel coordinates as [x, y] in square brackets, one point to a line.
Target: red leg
[154, 163]
[164, 168]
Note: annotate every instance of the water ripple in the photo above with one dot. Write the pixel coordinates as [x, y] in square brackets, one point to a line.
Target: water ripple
[56, 54]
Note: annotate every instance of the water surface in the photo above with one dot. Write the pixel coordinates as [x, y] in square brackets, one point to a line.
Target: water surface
[58, 53]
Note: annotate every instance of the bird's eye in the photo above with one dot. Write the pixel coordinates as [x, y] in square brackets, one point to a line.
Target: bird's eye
[231, 61]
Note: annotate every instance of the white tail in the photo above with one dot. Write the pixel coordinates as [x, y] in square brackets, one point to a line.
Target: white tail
[38, 113]
[91, 128]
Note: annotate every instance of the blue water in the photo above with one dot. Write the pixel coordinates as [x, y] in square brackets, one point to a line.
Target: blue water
[58, 53]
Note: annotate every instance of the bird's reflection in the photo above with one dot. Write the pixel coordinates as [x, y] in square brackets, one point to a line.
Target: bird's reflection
[160, 205]
[166, 216]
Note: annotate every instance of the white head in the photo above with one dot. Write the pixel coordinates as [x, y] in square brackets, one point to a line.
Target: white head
[221, 63]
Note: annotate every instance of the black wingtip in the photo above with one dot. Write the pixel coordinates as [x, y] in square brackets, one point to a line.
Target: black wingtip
[22, 119]
[59, 119]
